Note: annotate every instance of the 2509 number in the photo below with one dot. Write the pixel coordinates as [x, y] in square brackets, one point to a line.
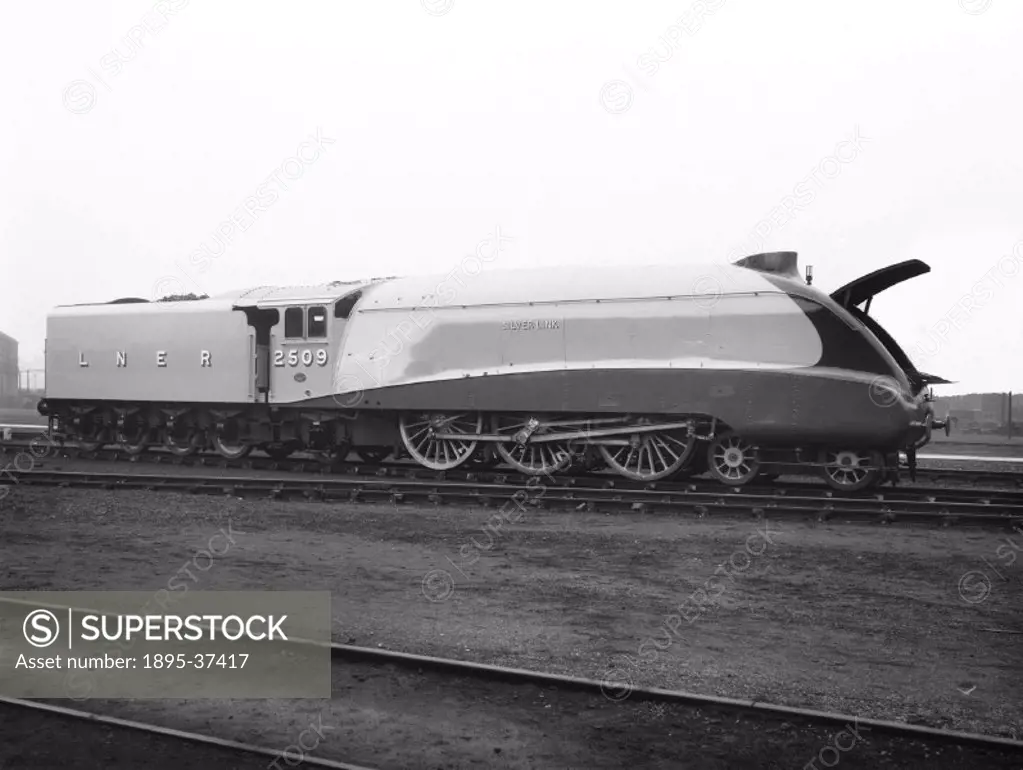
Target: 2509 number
[306, 357]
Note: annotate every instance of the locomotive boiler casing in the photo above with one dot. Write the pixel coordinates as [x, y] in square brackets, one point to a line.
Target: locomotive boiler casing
[776, 360]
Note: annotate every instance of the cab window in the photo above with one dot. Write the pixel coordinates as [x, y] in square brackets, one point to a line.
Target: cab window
[317, 322]
[293, 326]
[343, 307]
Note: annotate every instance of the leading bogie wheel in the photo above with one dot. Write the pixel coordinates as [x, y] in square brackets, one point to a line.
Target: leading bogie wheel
[733, 460]
[420, 431]
[851, 470]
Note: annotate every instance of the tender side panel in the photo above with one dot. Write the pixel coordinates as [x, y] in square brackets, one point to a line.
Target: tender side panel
[745, 331]
[206, 353]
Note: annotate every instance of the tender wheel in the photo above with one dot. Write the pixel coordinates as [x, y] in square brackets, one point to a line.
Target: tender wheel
[539, 459]
[231, 450]
[90, 429]
[183, 441]
[135, 435]
[227, 441]
[732, 460]
[373, 455]
[852, 470]
[419, 431]
[651, 456]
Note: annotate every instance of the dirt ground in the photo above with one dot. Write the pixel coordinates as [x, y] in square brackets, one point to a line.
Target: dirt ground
[909, 624]
[391, 717]
[35, 740]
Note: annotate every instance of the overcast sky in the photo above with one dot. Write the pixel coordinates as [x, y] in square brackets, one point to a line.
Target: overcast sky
[857, 133]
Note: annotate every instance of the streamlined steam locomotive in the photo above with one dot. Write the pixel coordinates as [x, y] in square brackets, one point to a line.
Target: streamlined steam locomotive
[741, 370]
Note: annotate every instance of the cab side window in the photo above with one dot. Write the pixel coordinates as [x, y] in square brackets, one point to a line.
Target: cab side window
[293, 326]
[343, 307]
[317, 322]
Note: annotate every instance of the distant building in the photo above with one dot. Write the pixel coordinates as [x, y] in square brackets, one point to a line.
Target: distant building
[8, 370]
[993, 405]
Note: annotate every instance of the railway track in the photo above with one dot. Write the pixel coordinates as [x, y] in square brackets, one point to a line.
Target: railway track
[579, 711]
[1001, 511]
[88, 740]
[306, 463]
[996, 480]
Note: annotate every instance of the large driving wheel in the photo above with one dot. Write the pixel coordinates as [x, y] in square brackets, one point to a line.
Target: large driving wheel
[650, 456]
[542, 458]
[419, 435]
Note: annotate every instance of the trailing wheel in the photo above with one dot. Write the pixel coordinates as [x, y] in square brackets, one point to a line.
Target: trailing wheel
[851, 470]
[333, 454]
[419, 433]
[542, 458]
[732, 459]
[651, 456]
[281, 451]
[373, 454]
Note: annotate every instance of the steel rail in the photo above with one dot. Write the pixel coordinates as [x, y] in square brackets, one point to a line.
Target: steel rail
[1011, 479]
[157, 453]
[490, 672]
[208, 740]
[369, 489]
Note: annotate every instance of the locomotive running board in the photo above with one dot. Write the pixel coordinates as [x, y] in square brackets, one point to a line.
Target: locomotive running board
[547, 437]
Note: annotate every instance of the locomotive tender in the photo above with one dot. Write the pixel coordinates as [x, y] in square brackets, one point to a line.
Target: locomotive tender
[741, 369]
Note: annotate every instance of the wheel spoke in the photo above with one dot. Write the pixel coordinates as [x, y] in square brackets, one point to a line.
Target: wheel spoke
[650, 456]
[418, 436]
